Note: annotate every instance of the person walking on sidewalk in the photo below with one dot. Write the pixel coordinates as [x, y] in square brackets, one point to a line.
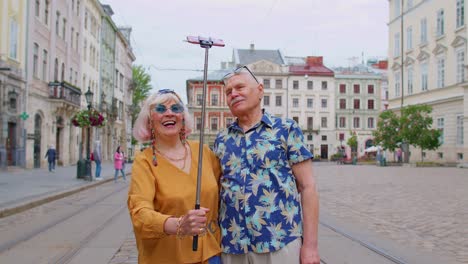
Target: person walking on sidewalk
[269, 201]
[162, 190]
[51, 156]
[98, 159]
[118, 164]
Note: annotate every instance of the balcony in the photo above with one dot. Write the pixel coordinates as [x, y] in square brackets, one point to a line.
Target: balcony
[63, 91]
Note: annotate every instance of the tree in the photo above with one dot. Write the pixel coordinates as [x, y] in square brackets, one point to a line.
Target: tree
[387, 133]
[416, 124]
[352, 143]
[142, 86]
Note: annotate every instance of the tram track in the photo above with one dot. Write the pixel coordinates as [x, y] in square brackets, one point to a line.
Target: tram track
[373, 248]
[67, 251]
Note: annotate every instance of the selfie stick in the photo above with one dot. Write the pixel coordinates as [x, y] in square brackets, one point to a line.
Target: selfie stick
[205, 43]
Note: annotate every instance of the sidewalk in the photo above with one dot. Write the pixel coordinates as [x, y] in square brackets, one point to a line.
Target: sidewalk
[23, 189]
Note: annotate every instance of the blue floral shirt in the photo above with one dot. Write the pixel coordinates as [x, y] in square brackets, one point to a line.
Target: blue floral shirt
[260, 206]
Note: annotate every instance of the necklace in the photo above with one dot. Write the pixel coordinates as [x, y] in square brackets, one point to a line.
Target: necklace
[184, 158]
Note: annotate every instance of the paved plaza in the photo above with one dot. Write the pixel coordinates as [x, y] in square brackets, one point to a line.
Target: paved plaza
[403, 208]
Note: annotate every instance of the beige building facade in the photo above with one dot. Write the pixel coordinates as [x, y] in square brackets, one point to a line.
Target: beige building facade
[432, 59]
[13, 40]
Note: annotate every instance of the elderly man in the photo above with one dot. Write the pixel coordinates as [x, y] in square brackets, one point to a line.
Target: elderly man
[269, 202]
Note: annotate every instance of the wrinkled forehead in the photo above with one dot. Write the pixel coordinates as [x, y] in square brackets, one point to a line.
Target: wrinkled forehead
[239, 78]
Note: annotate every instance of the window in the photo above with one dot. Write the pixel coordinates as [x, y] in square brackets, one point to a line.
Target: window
[296, 119]
[199, 99]
[342, 122]
[341, 137]
[423, 31]
[198, 126]
[310, 137]
[324, 103]
[266, 83]
[214, 99]
[121, 108]
[63, 72]
[424, 77]
[214, 123]
[266, 100]
[228, 121]
[296, 102]
[370, 104]
[37, 7]
[57, 24]
[460, 13]
[71, 75]
[440, 155]
[86, 19]
[310, 103]
[357, 104]
[370, 122]
[440, 72]
[396, 45]
[279, 84]
[36, 60]
[370, 89]
[46, 12]
[295, 85]
[357, 88]
[440, 127]
[342, 103]
[397, 8]
[310, 123]
[121, 81]
[460, 66]
[56, 65]
[76, 39]
[460, 156]
[440, 23]
[13, 39]
[324, 85]
[44, 65]
[324, 122]
[85, 46]
[342, 88]
[397, 84]
[409, 38]
[72, 35]
[73, 5]
[356, 122]
[324, 138]
[310, 85]
[278, 100]
[64, 29]
[78, 8]
[410, 80]
[459, 139]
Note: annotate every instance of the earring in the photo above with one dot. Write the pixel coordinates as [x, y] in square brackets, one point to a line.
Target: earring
[153, 142]
[182, 135]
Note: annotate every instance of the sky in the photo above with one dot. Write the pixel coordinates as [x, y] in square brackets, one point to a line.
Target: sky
[338, 30]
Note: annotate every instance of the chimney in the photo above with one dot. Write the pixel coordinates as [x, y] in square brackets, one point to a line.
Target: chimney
[383, 64]
[314, 60]
[252, 46]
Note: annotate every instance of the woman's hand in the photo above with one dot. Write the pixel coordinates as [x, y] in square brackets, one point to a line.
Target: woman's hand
[193, 223]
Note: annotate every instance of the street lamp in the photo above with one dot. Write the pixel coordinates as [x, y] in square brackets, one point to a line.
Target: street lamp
[89, 100]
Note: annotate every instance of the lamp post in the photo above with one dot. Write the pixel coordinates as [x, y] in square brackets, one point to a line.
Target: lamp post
[89, 100]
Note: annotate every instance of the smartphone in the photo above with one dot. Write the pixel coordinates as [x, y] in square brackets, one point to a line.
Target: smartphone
[200, 40]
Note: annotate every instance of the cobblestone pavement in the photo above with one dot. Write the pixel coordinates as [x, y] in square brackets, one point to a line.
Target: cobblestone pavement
[426, 208]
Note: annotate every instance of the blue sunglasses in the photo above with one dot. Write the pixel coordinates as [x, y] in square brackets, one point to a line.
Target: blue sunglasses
[175, 108]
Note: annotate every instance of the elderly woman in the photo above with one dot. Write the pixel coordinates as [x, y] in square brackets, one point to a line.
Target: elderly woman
[162, 191]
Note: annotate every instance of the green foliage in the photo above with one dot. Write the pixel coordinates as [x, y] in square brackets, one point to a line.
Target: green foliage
[413, 126]
[142, 87]
[352, 142]
[416, 124]
[387, 134]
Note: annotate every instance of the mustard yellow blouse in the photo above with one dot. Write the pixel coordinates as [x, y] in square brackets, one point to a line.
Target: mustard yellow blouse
[157, 193]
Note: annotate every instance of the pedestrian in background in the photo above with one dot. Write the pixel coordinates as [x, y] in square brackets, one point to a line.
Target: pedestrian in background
[51, 156]
[163, 187]
[97, 158]
[118, 164]
[269, 202]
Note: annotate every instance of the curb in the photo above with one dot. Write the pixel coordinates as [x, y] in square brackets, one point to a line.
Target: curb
[21, 207]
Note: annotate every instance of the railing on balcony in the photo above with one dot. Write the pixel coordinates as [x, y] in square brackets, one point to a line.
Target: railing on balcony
[65, 91]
